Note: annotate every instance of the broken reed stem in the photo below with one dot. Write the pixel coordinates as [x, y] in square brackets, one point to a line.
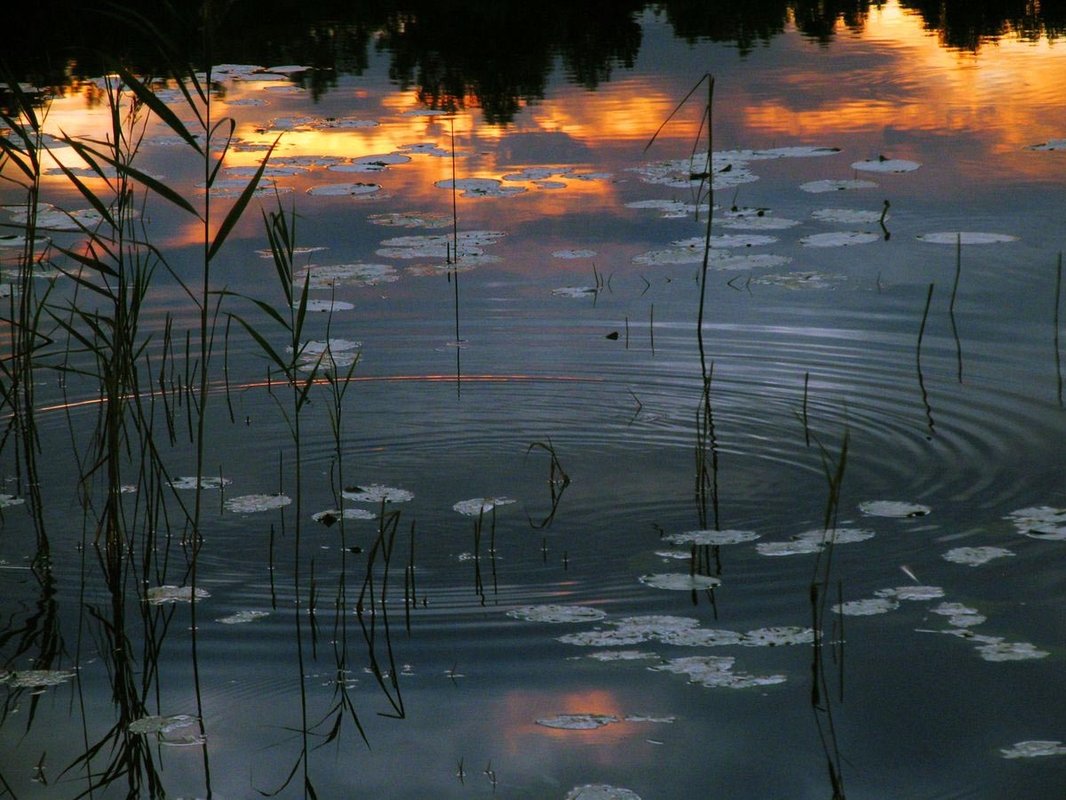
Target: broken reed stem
[1058, 352]
[918, 359]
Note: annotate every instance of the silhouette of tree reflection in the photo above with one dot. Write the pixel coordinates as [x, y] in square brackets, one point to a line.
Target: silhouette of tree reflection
[494, 55]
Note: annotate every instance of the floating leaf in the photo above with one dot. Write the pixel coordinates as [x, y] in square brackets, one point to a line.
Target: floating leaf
[893, 508]
[254, 503]
[799, 280]
[835, 536]
[328, 276]
[557, 613]
[911, 593]
[331, 516]
[573, 253]
[158, 595]
[600, 791]
[623, 655]
[791, 548]
[716, 671]
[344, 189]
[1040, 522]
[975, 556]
[1010, 651]
[175, 730]
[480, 187]
[847, 216]
[680, 581]
[575, 291]
[965, 237]
[7, 500]
[886, 165]
[242, 617]
[377, 493]
[867, 607]
[577, 722]
[480, 505]
[328, 306]
[711, 537]
[778, 636]
[35, 678]
[839, 239]
[412, 219]
[823, 186]
[1034, 748]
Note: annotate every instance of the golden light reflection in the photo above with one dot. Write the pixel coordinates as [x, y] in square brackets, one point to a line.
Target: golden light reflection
[515, 717]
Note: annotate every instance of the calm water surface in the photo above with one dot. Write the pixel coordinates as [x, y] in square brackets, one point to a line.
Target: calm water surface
[571, 334]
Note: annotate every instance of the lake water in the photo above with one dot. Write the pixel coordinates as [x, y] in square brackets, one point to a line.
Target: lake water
[881, 322]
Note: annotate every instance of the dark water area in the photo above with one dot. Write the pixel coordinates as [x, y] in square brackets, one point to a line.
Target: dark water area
[516, 478]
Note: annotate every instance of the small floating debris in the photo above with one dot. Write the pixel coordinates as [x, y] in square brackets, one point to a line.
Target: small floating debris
[711, 537]
[480, 187]
[600, 791]
[575, 291]
[7, 500]
[882, 164]
[255, 503]
[377, 493]
[557, 613]
[847, 216]
[176, 730]
[897, 509]
[1010, 651]
[1050, 144]
[243, 617]
[159, 595]
[36, 678]
[866, 607]
[716, 671]
[680, 581]
[344, 189]
[191, 482]
[480, 505]
[965, 237]
[1040, 522]
[839, 239]
[331, 516]
[975, 556]
[1034, 748]
[823, 186]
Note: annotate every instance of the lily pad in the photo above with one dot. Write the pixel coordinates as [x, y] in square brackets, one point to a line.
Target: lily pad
[897, 509]
[344, 189]
[847, 216]
[158, 595]
[377, 493]
[778, 636]
[7, 500]
[823, 186]
[557, 613]
[328, 276]
[886, 165]
[480, 187]
[35, 678]
[1040, 522]
[1034, 748]
[412, 219]
[243, 617]
[573, 253]
[480, 505]
[680, 581]
[254, 503]
[190, 482]
[716, 671]
[1050, 144]
[710, 537]
[794, 547]
[975, 556]
[1011, 651]
[839, 239]
[577, 722]
[174, 730]
[328, 306]
[575, 291]
[331, 516]
[600, 791]
[965, 237]
[866, 607]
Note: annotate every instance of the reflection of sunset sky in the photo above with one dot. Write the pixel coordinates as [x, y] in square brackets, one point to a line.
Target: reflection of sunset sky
[891, 88]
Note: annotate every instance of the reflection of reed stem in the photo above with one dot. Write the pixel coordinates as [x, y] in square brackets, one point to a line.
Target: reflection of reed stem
[951, 305]
[1058, 352]
[918, 360]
